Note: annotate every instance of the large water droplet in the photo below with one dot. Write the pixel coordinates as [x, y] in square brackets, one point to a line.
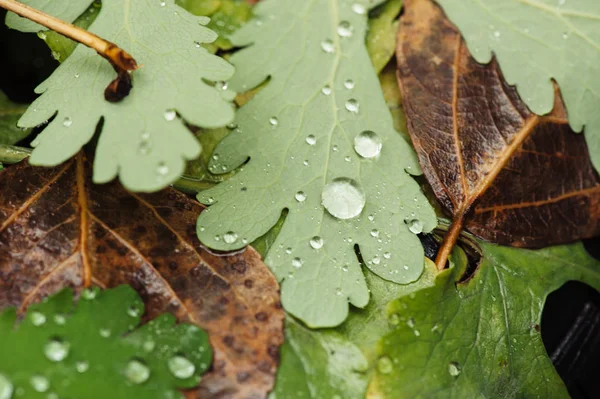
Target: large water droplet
[328, 46]
[230, 237]
[385, 365]
[367, 144]
[67, 122]
[454, 369]
[352, 105]
[6, 387]
[181, 367]
[39, 383]
[37, 318]
[56, 350]
[82, 366]
[343, 198]
[345, 29]
[415, 226]
[137, 372]
[300, 196]
[359, 8]
[311, 139]
[170, 115]
[316, 242]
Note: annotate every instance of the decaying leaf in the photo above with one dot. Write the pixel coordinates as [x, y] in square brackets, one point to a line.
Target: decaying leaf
[57, 229]
[62, 350]
[479, 336]
[515, 178]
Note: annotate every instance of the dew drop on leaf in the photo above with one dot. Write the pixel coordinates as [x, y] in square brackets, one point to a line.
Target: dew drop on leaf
[349, 84]
[170, 115]
[311, 139]
[56, 350]
[39, 383]
[453, 369]
[385, 365]
[328, 46]
[149, 345]
[374, 233]
[367, 144]
[297, 263]
[376, 260]
[137, 372]
[88, 294]
[300, 196]
[415, 226]
[181, 367]
[67, 122]
[345, 29]
[162, 169]
[60, 319]
[82, 366]
[37, 319]
[104, 332]
[326, 90]
[6, 387]
[359, 8]
[273, 121]
[394, 319]
[221, 85]
[230, 237]
[316, 242]
[133, 311]
[343, 198]
[352, 105]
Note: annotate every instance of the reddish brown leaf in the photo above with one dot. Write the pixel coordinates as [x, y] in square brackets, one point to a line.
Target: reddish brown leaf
[508, 175]
[57, 230]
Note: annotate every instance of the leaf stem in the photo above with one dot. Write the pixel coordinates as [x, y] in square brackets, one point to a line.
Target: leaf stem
[120, 60]
[450, 239]
[10, 154]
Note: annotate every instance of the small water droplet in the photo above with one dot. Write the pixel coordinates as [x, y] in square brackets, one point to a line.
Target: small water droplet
[67, 122]
[311, 139]
[410, 322]
[42, 35]
[37, 318]
[39, 383]
[149, 345]
[385, 365]
[345, 29]
[394, 319]
[305, 162]
[326, 90]
[417, 333]
[343, 198]
[454, 369]
[358, 9]
[345, 268]
[210, 200]
[415, 226]
[170, 115]
[374, 233]
[230, 237]
[334, 148]
[349, 84]
[288, 251]
[328, 46]
[60, 319]
[76, 75]
[163, 3]
[300, 196]
[6, 387]
[352, 105]
[347, 159]
[56, 350]
[82, 366]
[339, 291]
[162, 169]
[297, 262]
[105, 332]
[371, 218]
[181, 367]
[316, 242]
[88, 294]
[137, 372]
[376, 260]
[221, 85]
[133, 311]
[197, 44]
[367, 144]
[565, 35]
[273, 121]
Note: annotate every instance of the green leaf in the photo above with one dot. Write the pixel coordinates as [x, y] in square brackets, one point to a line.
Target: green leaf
[9, 115]
[66, 10]
[480, 337]
[299, 133]
[381, 38]
[536, 42]
[91, 350]
[141, 139]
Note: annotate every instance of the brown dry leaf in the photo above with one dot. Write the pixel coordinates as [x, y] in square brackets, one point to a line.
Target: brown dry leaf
[58, 230]
[508, 175]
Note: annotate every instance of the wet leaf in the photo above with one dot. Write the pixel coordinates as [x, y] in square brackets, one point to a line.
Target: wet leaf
[66, 10]
[381, 38]
[537, 42]
[57, 230]
[299, 133]
[143, 139]
[60, 349]
[480, 337]
[514, 177]
[9, 115]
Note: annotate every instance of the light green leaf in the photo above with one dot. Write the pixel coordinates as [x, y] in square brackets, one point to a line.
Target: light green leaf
[299, 134]
[141, 140]
[536, 41]
[66, 10]
[9, 115]
[93, 349]
[480, 338]
[381, 38]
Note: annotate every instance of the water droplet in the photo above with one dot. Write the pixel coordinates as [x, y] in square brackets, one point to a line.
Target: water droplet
[42, 35]
[376, 260]
[417, 333]
[149, 345]
[496, 34]
[371, 218]
[385, 365]
[343, 198]
[359, 8]
[88, 294]
[76, 75]
[311, 139]
[316, 242]
[394, 319]
[345, 29]
[56, 350]
[367, 144]
[335, 148]
[67, 122]
[56, 55]
[39, 383]
[387, 255]
[210, 200]
[288, 250]
[133, 311]
[300, 196]
[82, 366]
[221, 85]
[170, 115]
[197, 44]
[6, 387]
[339, 291]
[565, 35]
[230, 237]
[181, 367]
[454, 369]
[104, 332]
[352, 105]
[410, 322]
[347, 159]
[326, 90]
[273, 121]
[137, 372]
[328, 46]
[374, 233]
[415, 226]
[162, 169]
[349, 84]
[297, 262]
[37, 318]
[60, 319]
[305, 162]
[345, 268]
[144, 145]
[163, 3]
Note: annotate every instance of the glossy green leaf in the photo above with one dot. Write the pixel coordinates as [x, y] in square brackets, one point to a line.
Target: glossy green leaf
[94, 350]
[535, 42]
[143, 138]
[480, 338]
[299, 133]
[9, 115]
[381, 38]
